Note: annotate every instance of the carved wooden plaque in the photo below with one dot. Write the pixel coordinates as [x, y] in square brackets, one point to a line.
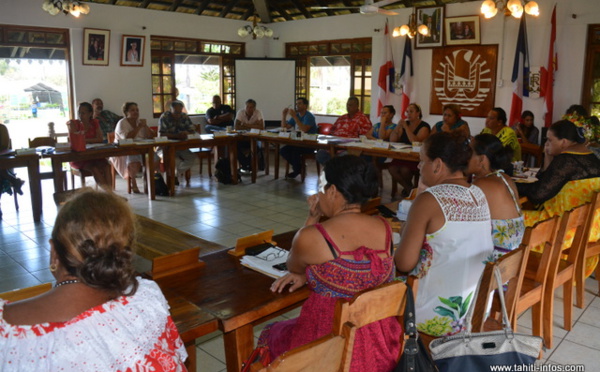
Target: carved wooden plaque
[464, 75]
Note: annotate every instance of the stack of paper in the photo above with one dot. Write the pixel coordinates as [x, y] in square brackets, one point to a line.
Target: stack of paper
[263, 262]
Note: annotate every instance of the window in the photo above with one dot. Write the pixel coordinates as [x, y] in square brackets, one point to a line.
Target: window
[591, 81]
[34, 81]
[198, 69]
[328, 72]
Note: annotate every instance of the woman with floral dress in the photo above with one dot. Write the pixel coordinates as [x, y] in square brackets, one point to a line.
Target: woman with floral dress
[446, 238]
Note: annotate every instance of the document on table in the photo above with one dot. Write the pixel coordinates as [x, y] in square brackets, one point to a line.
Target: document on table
[263, 262]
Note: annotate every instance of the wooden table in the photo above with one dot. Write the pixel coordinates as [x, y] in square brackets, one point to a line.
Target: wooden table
[147, 149]
[156, 239]
[32, 162]
[237, 296]
[206, 140]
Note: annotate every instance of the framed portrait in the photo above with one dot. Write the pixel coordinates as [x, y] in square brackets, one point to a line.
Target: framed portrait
[132, 50]
[433, 18]
[462, 30]
[95, 46]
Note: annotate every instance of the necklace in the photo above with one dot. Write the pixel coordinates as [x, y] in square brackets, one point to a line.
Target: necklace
[71, 281]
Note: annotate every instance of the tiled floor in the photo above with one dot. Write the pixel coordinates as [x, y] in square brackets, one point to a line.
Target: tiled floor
[222, 213]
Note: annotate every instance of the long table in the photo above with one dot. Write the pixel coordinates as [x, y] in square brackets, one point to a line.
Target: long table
[32, 163]
[239, 298]
[144, 149]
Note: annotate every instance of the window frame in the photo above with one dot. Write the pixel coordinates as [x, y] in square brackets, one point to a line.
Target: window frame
[359, 50]
[592, 52]
[165, 46]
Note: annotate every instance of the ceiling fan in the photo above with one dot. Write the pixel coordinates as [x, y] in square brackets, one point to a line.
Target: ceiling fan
[369, 8]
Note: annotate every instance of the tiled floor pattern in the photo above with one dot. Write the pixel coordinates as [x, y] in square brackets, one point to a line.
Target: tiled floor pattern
[222, 213]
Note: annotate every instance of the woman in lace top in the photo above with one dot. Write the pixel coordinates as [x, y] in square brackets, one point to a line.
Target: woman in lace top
[98, 316]
[447, 232]
[491, 168]
[567, 158]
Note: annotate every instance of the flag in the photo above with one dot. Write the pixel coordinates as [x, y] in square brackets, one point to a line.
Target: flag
[547, 81]
[520, 75]
[386, 73]
[406, 77]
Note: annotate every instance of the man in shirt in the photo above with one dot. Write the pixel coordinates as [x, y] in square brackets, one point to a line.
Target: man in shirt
[495, 123]
[248, 118]
[351, 125]
[108, 119]
[174, 124]
[300, 119]
[219, 116]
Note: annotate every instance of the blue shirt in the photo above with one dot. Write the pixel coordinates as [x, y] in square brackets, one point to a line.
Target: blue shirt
[307, 119]
[376, 127]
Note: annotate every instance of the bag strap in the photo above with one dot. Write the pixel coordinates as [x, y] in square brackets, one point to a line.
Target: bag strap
[500, 290]
[410, 324]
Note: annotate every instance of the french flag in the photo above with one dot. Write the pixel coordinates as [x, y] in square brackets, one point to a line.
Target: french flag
[520, 75]
[406, 77]
[386, 73]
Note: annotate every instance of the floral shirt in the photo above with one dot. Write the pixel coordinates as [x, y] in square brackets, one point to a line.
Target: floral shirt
[108, 120]
[129, 333]
[169, 124]
[508, 137]
[353, 127]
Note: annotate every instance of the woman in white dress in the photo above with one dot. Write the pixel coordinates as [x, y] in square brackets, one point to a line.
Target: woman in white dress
[447, 237]
[131, 126]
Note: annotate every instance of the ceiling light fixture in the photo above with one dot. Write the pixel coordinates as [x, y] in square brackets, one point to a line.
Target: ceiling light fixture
[73, 7]
[515, 8]
[255, 30]
[411, 29]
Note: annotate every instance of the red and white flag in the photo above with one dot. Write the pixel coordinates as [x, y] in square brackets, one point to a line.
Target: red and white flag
[386, 73]
[520, 75]
[547, 80]
[406, 77]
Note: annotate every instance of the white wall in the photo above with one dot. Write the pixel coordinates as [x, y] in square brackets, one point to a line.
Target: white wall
[115, 84]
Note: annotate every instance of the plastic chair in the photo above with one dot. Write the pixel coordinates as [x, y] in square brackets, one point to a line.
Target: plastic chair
[532, 289]
[325, 128]
[512, 267]
[592, 248]
[50, 142]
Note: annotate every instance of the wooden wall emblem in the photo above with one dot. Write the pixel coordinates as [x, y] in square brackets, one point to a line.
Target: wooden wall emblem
[464, 75]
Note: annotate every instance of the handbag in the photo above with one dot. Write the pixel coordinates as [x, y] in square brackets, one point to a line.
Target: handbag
[77, 137]
[260, 354]
[468, 351]
[415, 357]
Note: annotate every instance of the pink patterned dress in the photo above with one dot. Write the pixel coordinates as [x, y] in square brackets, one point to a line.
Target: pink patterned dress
[377, 345]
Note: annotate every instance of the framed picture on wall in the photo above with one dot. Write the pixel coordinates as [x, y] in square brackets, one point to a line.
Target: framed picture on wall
[95, 46]
[132, 50]
[462, 30]
[433, 18]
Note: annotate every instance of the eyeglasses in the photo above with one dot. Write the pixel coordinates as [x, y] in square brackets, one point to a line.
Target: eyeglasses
[271, 254]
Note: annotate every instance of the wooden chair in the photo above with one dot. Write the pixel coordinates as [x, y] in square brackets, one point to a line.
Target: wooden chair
[532, 289]
[592, 248]
[561, 271]
[204, 153]
[324, 354]
[512, 267]
[50, 142]
[384, 301]
[7, 144]
[536, 151]
[25, 293]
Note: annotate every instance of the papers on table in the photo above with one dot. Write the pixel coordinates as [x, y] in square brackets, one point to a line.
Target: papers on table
[527, 177]
[263, 262]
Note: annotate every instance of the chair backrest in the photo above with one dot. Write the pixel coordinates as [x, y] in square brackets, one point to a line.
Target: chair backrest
[593, 226]
[324, 354]
[42, 141]
[534, 150]
[325, 128]
[512, 268]
[541, 234]
[25, 293]
[4, 138]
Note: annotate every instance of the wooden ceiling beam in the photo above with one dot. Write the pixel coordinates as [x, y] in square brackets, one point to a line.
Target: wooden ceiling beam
[249, 13]
[282, 12]
[175, 5]
[302, 9]
[144, 4]
[202, 7]
[227, 8]
[262, 9]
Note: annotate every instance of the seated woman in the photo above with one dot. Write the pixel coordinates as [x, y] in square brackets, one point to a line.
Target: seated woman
[384, 128]
[413, 129]
[525, 130]
[131, 126]
[98, 316]
[344, 255]
[452, 121]
[90, 127]
[447, 232]
[491, 168]
[495, 123]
